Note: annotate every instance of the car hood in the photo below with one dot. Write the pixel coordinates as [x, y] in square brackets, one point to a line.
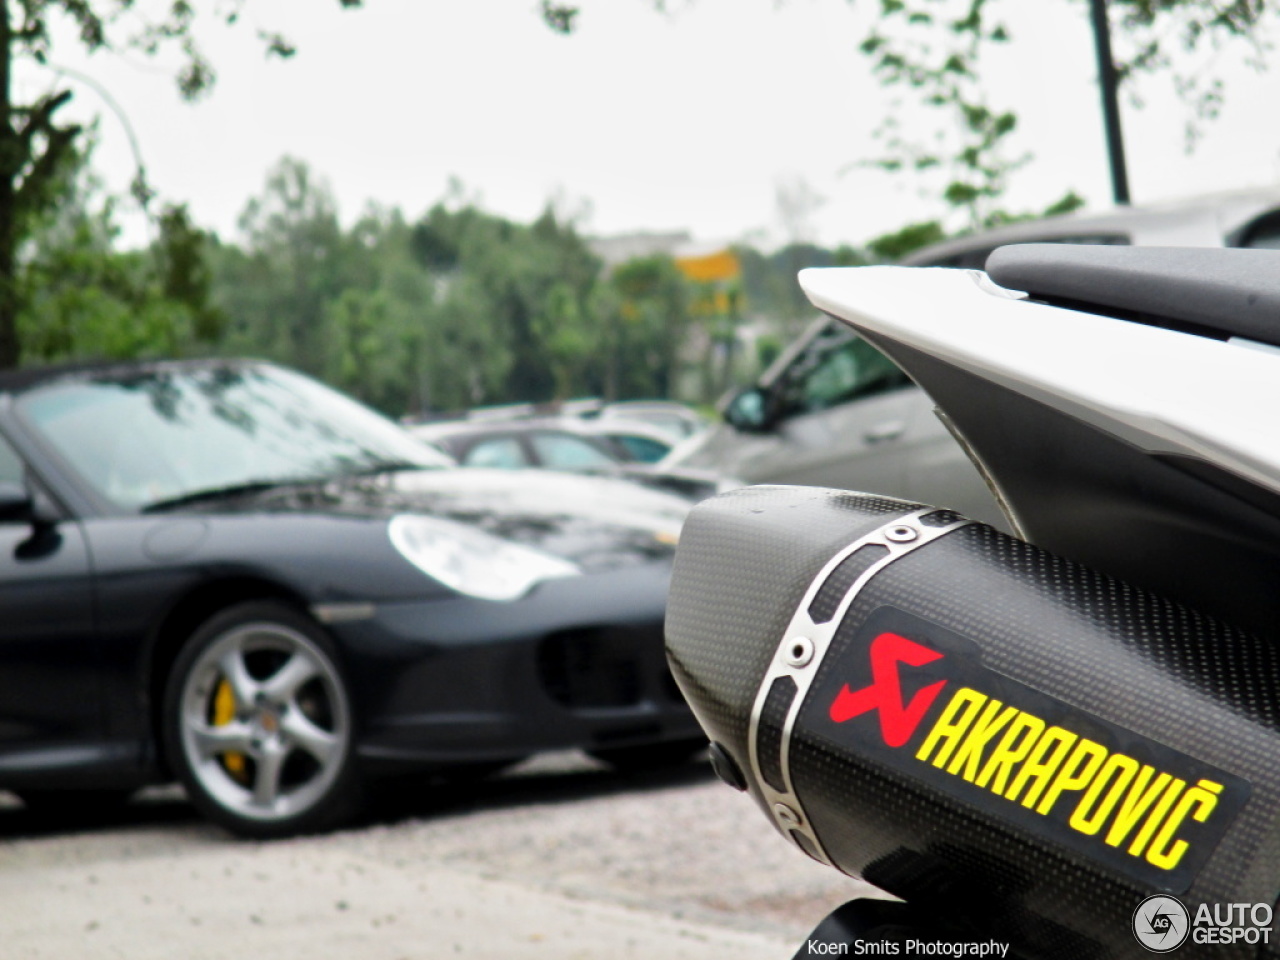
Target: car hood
[723, 448]
[596, 522]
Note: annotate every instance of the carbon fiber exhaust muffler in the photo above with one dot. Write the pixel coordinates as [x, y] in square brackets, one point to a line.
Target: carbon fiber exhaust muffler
[967, 721]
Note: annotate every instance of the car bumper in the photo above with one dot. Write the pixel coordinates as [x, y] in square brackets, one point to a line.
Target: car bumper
[576, 663]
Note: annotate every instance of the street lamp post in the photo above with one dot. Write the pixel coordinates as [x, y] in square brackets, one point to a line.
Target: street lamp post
[1108, 82]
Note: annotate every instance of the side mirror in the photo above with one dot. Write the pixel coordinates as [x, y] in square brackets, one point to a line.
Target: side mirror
[16, 503]
[751, 410]
[19, 504]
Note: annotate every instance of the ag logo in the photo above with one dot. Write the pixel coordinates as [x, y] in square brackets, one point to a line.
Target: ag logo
[898, 720]
[1161, 923]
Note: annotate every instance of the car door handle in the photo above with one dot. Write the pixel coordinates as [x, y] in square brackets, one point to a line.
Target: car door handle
[884, 432]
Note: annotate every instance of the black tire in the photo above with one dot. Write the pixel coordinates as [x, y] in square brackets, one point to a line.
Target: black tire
[651, 756]
[258, 725]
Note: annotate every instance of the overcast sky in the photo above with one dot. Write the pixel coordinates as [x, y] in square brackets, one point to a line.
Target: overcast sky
[689, 120]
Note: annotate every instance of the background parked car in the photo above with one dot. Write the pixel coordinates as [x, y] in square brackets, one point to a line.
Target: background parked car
[225, 573]
[636, 441]
[675, 419]
[833, 411]
[602, 447]
[552, 443]
[1246, 218]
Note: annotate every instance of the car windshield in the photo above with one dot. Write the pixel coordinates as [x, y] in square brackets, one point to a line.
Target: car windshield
[148, 437]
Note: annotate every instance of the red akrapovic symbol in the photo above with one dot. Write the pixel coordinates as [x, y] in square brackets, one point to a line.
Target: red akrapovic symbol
[898, 721]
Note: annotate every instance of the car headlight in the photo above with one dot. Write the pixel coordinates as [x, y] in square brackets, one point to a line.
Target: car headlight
[471, 561]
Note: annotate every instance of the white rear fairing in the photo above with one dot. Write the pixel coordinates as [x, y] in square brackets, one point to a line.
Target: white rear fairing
[1159, 390]
[1147, 453]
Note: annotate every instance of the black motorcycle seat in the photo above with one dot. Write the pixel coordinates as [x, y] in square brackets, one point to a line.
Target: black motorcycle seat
[1222, 292]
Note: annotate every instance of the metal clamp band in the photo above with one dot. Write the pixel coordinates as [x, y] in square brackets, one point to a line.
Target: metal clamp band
[800, 653]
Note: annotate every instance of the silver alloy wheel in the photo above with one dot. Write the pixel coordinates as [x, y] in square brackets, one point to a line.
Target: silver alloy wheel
[291, 726]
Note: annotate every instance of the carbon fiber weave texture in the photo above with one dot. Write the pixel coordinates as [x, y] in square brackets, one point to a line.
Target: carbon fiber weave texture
[1143, 663]
[745, 560]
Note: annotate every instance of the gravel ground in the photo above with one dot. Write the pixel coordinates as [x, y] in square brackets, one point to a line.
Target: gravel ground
[561, 858]
[681, 843]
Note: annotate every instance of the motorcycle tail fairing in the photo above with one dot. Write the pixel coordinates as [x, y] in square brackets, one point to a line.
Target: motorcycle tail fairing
[1023, 737]
[1123, 411]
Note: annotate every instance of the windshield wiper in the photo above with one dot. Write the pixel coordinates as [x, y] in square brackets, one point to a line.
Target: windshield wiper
[385, 466]
[248, 488]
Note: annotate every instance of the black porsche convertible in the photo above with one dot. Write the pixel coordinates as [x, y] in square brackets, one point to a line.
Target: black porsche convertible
[225, 573]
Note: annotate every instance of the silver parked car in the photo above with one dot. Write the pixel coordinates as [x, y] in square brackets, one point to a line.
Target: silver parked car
[833, 411]
[570, 445]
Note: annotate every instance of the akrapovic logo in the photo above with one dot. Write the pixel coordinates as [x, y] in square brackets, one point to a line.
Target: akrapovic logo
[933, 711]
[898, 720]
[1127, 804]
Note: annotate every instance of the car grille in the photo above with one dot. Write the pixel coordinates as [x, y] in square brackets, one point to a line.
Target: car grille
[606, 667]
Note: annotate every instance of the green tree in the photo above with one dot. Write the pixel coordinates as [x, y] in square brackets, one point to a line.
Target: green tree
[296, 261]
[457, 309]
[352, 306]
[377, 330]
[35, 148]
[80, 298]
[569, 338]
[516, 310]
[932, 52]
[186, 277]
[894, 246]
[655, 318]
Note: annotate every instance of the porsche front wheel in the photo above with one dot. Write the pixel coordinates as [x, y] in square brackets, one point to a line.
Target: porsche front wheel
[258, 725]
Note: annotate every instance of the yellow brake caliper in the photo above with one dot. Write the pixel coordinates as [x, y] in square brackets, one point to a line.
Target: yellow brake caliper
[224, 711]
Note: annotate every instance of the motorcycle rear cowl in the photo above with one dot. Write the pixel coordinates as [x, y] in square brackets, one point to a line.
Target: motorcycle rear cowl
[1028, 747]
